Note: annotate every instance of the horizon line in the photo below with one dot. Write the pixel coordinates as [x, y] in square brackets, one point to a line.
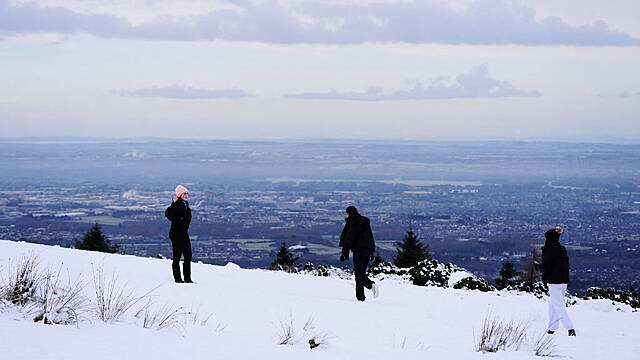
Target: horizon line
[613, 140]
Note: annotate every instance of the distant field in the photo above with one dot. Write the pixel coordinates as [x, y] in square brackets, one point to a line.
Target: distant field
[579, 248]
[103, 220]
[318, 249]
[254, 244]
[386, 244]
[150, 244]
[270, 245]
[243, 241]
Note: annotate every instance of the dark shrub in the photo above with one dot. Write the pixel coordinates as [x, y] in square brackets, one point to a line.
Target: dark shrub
[474, 283]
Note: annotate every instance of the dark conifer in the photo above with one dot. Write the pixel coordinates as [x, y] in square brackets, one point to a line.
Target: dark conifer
[410, 251]
[285, 260]
[95, 240]
[508, 275]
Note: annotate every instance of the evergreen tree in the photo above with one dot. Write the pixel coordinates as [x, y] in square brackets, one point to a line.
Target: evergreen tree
[285, 260]
[95, 240]
[410, 251]
[508, 274]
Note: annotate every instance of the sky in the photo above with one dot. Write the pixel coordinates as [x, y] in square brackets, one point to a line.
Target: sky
[359, 69]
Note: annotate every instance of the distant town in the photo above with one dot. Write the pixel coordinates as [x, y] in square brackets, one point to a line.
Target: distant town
[476, 224]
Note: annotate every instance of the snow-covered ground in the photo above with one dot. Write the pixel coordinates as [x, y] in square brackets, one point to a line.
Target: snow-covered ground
[249, 309]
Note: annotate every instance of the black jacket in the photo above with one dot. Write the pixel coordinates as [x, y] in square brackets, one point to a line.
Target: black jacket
[357, 234]
[555, 262]
[180, 216]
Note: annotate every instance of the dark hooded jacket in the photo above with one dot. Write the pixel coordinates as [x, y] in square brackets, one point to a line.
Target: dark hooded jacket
[357, 234]
[179, 213]
[555, 262]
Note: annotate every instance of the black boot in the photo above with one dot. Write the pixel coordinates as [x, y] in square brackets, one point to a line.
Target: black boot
[572, 332]
[550, 332]
[186, 270]
[175, 267]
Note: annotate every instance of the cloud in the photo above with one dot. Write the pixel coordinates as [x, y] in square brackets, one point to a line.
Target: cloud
[475, 84]
[484, 22]
[184, 92]
[628, 94]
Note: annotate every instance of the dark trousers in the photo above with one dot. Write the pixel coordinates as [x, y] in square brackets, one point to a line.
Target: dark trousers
[360, 262]
[180, 248]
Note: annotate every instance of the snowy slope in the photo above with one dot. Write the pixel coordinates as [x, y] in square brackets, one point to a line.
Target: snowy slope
[249, 306]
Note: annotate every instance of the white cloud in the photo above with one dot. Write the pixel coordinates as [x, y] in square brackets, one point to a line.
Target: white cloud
[475, 84]
[481, 22]
[628, 94]
[184, 92]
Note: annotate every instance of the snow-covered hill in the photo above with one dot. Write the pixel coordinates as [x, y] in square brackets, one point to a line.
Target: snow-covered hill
[250, 308]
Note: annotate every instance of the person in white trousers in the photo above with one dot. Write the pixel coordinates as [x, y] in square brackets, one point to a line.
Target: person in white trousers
[558, 310]
[555, 273]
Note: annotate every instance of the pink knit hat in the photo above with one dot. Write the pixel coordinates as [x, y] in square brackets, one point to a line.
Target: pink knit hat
[181, 190]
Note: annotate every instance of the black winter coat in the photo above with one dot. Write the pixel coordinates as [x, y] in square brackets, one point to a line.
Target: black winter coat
[555, 261]
[357, 234]
[180, 216]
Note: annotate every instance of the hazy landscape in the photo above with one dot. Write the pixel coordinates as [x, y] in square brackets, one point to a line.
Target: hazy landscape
[477, 204]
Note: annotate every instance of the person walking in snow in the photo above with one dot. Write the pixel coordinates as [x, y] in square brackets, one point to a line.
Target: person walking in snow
[358, 238]
[555, 273]
[179, 213]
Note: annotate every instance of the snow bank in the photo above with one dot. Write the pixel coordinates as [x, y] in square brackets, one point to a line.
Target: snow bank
[252, 308]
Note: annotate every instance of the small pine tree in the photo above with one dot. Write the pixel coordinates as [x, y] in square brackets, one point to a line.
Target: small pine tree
[285, 260]
[410, 251]
[95, 240]
[507, 275]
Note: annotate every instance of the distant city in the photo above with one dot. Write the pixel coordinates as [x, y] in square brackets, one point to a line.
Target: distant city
[476, 204]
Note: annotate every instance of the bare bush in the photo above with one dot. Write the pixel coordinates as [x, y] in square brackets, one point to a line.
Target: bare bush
[140, 313]
[194, 317]
[220, 327]
[405, 342]
[498, 334]
[23, 281]
[60, 303]
[546, 346]
[3, 303]
[112, 299]
[309, 326]
[166, 317]
[318, 338]
[288, 333]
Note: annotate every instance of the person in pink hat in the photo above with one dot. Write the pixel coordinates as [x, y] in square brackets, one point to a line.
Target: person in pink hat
[179, 213]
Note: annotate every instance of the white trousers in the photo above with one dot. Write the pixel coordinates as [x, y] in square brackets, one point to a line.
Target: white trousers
[558, 308]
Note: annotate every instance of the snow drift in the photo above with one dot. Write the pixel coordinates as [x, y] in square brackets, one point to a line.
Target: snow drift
[235, 313]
